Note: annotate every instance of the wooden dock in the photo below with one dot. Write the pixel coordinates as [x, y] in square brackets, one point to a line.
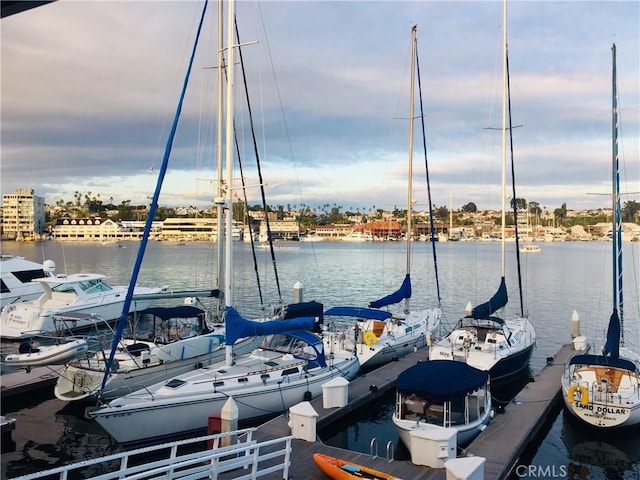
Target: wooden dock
[507, 436]
[19, 383]
[501, 443]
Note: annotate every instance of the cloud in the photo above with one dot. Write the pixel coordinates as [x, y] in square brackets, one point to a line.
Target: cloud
[89, 90]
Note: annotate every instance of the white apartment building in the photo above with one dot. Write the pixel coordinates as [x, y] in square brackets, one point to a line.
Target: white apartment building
[22, 215]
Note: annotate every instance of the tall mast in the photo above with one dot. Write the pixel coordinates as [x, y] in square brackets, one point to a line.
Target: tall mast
[219, 199]
[410, 172]
[616, 227]
[228, 292]
[504, 129]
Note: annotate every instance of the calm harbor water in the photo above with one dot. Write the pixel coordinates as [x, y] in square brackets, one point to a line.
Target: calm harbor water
[564, 276]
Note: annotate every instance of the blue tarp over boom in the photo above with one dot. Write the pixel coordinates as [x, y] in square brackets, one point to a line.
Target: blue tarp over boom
[358, 312]
[440, 380]
[403, 292]
[498, 301]
[612, 345]
[239, 327]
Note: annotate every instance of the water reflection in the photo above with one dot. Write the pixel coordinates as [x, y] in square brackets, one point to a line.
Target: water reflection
[66, 439]
[596, 453]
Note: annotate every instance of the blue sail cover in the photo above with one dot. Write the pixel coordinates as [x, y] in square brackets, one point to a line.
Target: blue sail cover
[612, 345]
[403, 292]
[498, 301]
[441, 380]
[238, 327]
[358, 312]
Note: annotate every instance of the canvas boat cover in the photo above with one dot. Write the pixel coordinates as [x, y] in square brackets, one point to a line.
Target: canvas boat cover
[496, 302]
[238, 327]
[403, 292]
[365, 313]
[441, 380]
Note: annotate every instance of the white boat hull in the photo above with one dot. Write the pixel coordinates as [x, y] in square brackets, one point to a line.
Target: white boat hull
[602, 396]
[82, 379]
[144, 417]
[24, 320]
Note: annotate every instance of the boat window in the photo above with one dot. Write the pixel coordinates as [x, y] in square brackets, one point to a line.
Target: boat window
[3, 287]
[271, 363]
[219, 383]
[290, 371]
[94, 286]
[264, 376]
[243, 380]
[175, 383]
[63, 288]
[26, 276]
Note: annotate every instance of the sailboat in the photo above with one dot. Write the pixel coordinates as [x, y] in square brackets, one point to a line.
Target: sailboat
[290, 366]
[503, 347]
[604, 390]
[381, 336]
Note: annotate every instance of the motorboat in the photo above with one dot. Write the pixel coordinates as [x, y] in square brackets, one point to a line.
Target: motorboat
[377, 336]
[290, 366]
[86, 293]
[17, 273]
[439, 394]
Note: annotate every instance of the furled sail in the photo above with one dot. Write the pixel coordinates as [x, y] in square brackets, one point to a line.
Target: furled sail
[612, 345]
[403, 292]
[498, 301]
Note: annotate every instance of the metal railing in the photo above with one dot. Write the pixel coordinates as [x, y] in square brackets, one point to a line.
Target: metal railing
[169, 463]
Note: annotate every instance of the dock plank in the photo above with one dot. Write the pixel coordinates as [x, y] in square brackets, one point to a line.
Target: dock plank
[506, 437]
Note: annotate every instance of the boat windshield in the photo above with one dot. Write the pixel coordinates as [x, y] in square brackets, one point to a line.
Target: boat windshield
[94, 286]
[286, 344]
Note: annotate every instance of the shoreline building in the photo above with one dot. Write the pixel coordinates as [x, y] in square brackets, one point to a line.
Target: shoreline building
[23, 215]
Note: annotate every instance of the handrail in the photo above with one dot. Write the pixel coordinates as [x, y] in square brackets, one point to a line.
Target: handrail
[208, 462]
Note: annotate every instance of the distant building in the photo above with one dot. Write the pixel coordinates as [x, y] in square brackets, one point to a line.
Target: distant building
[22, 215]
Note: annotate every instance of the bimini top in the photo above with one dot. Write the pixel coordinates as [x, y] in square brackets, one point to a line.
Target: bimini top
[603, 361]
[441, 380]
[366, 313]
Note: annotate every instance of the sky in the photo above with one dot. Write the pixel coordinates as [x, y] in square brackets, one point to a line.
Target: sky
[89, 91]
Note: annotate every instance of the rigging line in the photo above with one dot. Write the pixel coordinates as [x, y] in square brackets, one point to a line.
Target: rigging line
[426, 164]
[513, 187]
[152, 208]
[260, 181]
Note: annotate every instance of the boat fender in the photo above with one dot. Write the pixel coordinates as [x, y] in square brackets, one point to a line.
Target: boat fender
[370, 338]
[584, 394]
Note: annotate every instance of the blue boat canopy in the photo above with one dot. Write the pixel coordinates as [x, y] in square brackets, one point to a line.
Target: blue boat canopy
[604, 361]
[441, 380]
[238, 327]
[396, 297]
[368, 313]
[496, 302]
